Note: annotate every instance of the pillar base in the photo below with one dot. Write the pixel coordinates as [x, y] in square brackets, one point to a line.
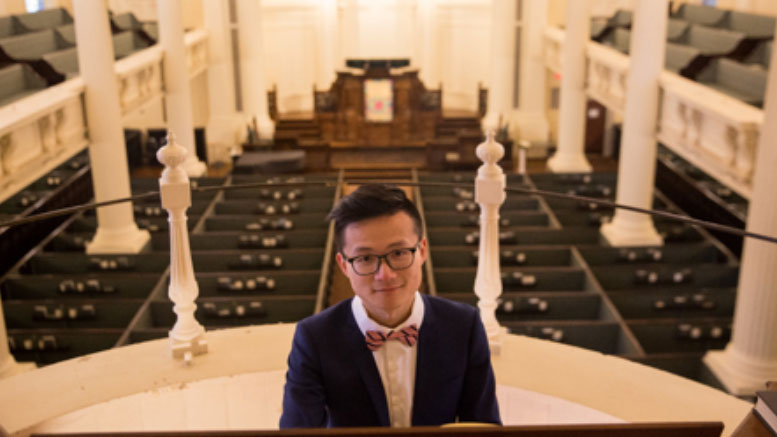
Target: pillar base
[127, 240]
[741, 376]
[619, 233]
[566, 163]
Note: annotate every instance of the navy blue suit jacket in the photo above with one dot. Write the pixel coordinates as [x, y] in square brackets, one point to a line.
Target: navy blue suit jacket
[332, 379]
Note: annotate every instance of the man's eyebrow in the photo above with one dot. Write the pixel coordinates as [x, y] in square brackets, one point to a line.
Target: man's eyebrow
[369, 250]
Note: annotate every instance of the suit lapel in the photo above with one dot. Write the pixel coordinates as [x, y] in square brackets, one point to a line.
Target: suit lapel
[368, 370]
[426, 362]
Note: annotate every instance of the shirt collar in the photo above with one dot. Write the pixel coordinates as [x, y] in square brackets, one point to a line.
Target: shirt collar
[367, 324]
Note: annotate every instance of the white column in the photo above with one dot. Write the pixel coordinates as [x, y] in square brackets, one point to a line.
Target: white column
[427, 17]
[328, 47]
[610, 118]
[490, 195]
[531, 118]
[226, 127]
[178, 94]
[637, 162]
[187, 338]
[750, 359]
[249, 21]
[502, 62]
[8, 365]
[116, 228]
[570, 152]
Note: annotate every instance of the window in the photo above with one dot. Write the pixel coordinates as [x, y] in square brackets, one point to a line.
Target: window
[34, 5]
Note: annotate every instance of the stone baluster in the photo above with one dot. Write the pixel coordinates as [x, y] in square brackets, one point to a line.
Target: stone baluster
[489, 194]
[187, 338]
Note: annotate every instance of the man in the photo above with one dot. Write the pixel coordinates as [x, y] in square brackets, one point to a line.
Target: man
[390, 356]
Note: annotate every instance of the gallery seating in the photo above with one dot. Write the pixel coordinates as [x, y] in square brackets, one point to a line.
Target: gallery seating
[754, 26]
[702, 15]
[10, 26]
[147, 31]
[738, 80]
[711, 41]
[681, 59]
[760, 55]
[18, 81]
[45, 19]
[708, 45]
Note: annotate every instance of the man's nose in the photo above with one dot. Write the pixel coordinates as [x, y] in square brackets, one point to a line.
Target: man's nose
[385, 271]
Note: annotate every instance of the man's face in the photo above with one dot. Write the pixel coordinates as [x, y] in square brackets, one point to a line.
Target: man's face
[387, 293]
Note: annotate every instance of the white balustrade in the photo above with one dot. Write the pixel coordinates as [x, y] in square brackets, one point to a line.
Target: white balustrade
[38, 133]
[41, 131]
[187, 338]
[196, 43]
[608, 72]
[714, 131]
[140, 78]
[554, 40]
[490, 195]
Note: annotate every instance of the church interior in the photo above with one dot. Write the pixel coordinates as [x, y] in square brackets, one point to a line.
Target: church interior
[599, 315]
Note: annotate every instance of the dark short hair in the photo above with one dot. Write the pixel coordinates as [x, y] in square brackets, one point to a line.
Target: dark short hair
[370, 201]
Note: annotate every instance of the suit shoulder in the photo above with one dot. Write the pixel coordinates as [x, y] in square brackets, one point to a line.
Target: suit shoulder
[450, 307]
[333, 314]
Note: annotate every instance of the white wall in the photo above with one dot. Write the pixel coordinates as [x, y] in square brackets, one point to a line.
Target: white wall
[289, 36]
[464, 51]
[375, 29]
[385, 29]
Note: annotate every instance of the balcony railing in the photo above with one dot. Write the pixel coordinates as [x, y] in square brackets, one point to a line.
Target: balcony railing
[713, 131]
[41, 131]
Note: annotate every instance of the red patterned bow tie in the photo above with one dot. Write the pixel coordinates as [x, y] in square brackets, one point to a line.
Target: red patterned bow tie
[407, 335]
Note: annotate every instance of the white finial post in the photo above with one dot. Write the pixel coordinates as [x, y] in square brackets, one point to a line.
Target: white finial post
[187, 338]
[523, 148]
[489, 194]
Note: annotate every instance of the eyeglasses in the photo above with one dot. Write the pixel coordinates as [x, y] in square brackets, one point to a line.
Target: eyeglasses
[397, 259]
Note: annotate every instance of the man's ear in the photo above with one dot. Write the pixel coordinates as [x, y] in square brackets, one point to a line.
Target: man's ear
[422, 250]
[342, 263]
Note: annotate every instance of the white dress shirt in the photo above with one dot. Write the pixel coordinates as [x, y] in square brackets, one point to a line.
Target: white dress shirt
[396, 361]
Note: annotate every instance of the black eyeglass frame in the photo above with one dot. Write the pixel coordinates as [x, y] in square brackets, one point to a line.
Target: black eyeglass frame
[382, 258]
